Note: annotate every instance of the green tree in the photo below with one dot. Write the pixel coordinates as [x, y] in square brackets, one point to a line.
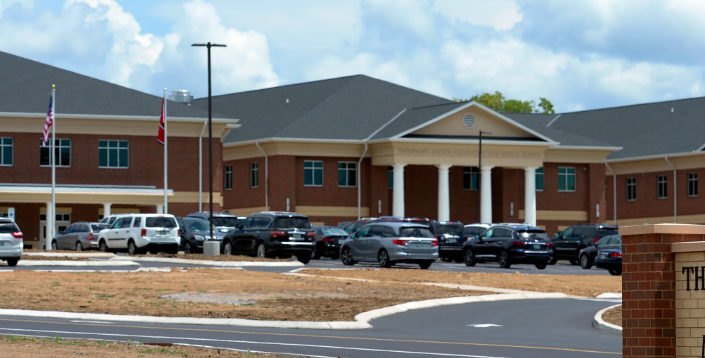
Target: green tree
[497, 102]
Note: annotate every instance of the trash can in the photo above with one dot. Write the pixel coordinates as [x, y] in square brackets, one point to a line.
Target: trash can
[211, 248]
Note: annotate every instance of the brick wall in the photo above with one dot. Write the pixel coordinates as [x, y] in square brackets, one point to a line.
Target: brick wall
[648, 289]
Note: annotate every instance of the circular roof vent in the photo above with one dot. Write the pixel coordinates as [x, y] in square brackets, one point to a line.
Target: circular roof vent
[469, 120]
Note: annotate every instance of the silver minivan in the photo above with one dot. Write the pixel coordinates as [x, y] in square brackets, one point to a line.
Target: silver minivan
[11, 242]
[389, 243]
[78, 236]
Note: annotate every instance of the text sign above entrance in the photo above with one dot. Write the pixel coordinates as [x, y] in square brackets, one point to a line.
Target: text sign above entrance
[469, 153]
[699, 277]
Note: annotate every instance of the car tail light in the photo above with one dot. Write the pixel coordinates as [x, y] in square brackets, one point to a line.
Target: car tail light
[178, 232]
[90, 237]
[18, 235]
[311, 234]
[328, 239]
[550, 244]
[144, 232]
[595, 240]
[278, 233]
[400, 242]
[518, 243]
[434, 242]
[616, 254]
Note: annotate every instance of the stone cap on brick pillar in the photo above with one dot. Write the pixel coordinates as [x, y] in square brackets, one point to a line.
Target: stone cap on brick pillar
[665, 229]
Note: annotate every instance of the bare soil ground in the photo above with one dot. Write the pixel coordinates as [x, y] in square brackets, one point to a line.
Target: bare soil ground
[613, 316]
[29, 347]
[208, 293]
[211, 258]
[585, 286]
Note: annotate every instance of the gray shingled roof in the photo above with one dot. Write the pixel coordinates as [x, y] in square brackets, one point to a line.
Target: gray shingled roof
[414, 117]
[540, 123]
[25, 87]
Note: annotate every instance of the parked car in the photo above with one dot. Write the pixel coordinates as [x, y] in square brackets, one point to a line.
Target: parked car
[588, 254]
[343, 224]
[274, 234]
[11, 242]
[142, 232]
[110, 219]
[194, 232]
[568, 244]
[389, 243]
[352, 227]
[328, 241]
[78, 236]
[610, 260]
[451, 237]
[475, 230]
[223, 222]
[510, 244]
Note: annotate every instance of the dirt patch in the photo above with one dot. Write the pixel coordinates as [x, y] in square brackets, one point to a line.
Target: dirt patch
[613, 316]
[54, 258]
[586, 286]
[282, 297]
[29, 347]
[212, 258]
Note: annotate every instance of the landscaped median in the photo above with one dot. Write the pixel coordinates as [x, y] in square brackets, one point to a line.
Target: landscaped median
[583, 286]
[214, 261]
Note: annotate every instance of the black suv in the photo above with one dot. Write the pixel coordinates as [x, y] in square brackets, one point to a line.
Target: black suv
[509, 244]
[276, 234]
[575, 238]
[223, 222]
[451, 237]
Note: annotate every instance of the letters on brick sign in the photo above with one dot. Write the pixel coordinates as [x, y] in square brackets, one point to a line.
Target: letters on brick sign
[699, 277]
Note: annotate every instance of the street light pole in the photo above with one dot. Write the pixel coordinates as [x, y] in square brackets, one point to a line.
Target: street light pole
[479, 168]
[210, 134]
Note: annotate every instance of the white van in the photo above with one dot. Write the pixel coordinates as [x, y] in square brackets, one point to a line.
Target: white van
[140, 233]
[11, 242]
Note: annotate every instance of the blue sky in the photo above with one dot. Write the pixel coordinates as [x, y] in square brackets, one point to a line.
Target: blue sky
[580, 54]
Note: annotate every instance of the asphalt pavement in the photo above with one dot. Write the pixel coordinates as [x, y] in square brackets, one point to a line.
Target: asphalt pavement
[551, 328]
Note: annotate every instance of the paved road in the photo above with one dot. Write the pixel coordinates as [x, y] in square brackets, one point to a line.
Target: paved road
[557, 328]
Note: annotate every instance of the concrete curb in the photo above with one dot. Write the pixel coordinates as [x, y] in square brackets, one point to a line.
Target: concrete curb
[610, 295]
[103, 263]
[600, 324]
[73, 255]
[361, 320]
[211, 263]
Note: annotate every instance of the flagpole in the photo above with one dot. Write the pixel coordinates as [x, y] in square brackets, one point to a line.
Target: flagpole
[166, 161]
[53, 165]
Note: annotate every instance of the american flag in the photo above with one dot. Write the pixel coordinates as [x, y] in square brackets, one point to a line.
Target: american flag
[160, 136]
[49, 121]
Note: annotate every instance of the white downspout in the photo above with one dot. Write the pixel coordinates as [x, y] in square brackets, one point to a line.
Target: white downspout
[675, 191]
[359, 182]
[266, 177]
[200, 166]
[614, 191]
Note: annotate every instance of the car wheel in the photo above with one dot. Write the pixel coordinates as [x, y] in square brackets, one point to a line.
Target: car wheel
[228, 248]
[54, 245]
[187, 248]
[12, 262]
[346, 257]
[541, 266]
[585, 262]
[383, 259]
[425, 265]
[79, 246]
[261, 250]
[469, 258]
[102, 246]
[574, 262]
[304, 259]
[553, 261]
[615, 272]
[132, 248]
[504, 260]
[316, 254]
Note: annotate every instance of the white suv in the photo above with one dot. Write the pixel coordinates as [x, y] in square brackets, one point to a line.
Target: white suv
[11, 242]
[139, 233]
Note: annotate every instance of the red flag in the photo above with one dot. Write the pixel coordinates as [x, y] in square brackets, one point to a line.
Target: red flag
[160, 137]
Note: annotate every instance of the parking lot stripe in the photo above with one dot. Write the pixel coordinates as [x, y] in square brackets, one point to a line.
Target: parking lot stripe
[323, 336]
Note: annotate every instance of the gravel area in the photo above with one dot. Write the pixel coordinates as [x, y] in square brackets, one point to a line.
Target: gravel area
[613, 316]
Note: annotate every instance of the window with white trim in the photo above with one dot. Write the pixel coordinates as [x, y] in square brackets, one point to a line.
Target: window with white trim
[113, 154]
[692, 184]
[631, 189]
[6, 151]
[62, 151]
[254, 175]
[313, 173]
[347, 174]
[566, 179]
[662, 187]
[228, 177]
[540, 182]
[471, 177]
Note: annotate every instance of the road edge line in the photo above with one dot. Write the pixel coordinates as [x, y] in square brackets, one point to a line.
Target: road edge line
[600, 324]
[210, 262]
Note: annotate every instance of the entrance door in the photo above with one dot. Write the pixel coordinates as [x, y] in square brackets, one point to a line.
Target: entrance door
[62, 222]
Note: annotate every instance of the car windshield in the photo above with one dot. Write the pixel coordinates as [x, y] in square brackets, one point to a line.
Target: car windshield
[451, 229]
[197, 225]
[334, 232]
[97, 228]
[416, 232]
[295, 222]
[533, 234]
[606, 231]
[221, 221]
[8, 228]
[160, 221]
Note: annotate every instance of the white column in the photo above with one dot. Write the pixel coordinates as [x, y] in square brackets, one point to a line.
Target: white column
[443, 195]
[530, 196]
[106, 209]
[51, 218]
[160, 209]
[486, 194]
[398, 203]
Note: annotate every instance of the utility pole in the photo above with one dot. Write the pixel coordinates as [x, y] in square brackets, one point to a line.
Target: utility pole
[210, 133]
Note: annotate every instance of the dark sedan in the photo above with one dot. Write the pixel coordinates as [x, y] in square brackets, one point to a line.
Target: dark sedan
[328, 241]
[194, 232]
[588, 254]
[610, 260]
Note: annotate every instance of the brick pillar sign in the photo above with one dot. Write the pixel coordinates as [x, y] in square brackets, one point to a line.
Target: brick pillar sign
[662, 316]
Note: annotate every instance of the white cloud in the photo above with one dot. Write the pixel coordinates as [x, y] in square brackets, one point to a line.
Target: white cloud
[5, 4]
[498, 14]
[406, 15]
